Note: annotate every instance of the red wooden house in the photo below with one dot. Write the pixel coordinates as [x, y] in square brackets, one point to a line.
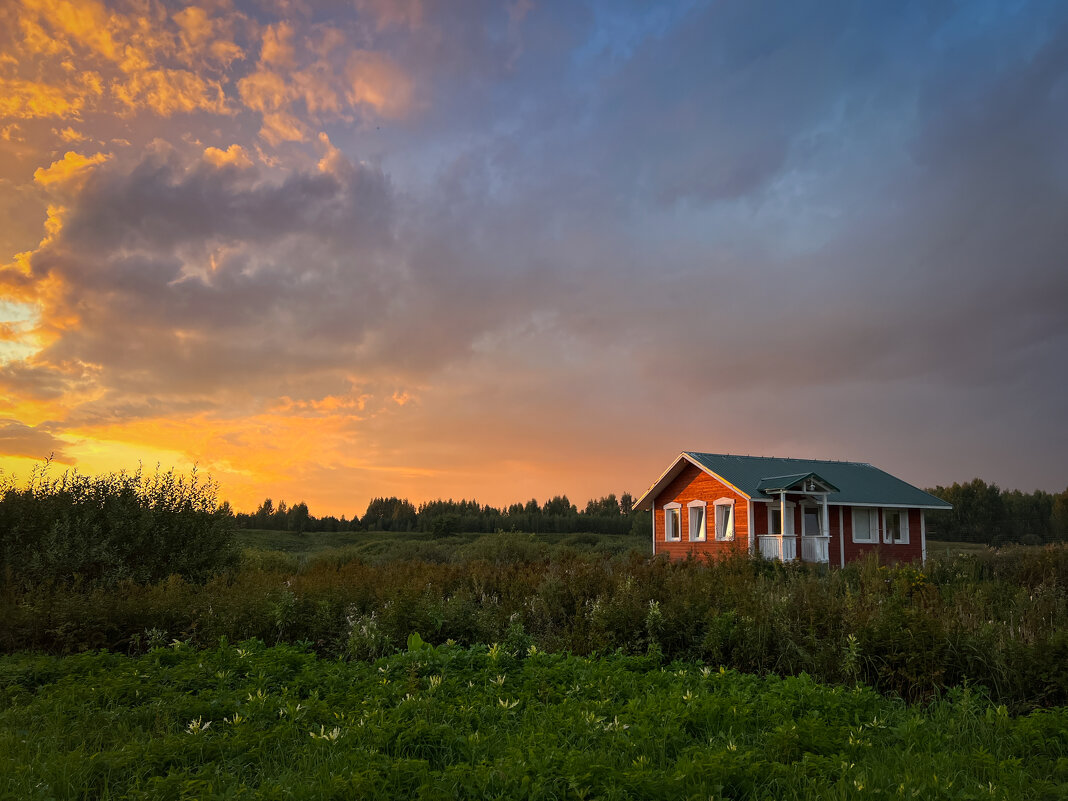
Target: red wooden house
[808, 509]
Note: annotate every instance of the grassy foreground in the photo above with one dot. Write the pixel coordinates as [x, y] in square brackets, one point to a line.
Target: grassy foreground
[450, 722]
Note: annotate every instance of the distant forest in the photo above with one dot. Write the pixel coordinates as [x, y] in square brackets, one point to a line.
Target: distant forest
[607, 515]
[981, 513]
[986, 513]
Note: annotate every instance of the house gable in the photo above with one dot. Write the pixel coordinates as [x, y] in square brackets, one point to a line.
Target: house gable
[681, 463]
[687, 489]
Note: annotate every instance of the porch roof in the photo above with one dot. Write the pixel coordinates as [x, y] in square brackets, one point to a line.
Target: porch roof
[792, 481]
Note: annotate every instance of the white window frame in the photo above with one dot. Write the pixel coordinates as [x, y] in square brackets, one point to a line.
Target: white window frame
[673, 508]
[873, 524]
[727, 534]
[903, 530]
[805, 507]
[702, 535]
[775, 513]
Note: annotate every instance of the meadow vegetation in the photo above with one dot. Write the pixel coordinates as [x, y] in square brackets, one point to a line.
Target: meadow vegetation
[995, 618]
[250, 721]
[443, 664]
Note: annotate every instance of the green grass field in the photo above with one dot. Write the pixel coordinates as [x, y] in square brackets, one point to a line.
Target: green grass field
[449, 722]
[387, 546]
[311, 543]
[292, 550]
[943, 548]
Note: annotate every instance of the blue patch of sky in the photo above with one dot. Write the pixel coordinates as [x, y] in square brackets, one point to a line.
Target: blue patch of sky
[620, 28]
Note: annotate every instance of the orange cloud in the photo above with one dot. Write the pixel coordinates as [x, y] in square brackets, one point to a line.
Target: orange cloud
[318, 88]
[207, 34]
[167, 91]
[264, 90]
[70, 135]
[376, 81]
[277, 45]
[86, 22]
[225, 52]
[282, 127]
[20, 99]
[80, 55]
[195, 24]
[333, 160]
[235, 155]
[71, 166]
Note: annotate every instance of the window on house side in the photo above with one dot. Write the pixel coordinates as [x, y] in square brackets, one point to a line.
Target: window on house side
[697, 521]
[672, 523]
[725, 520]
[775, 520]
[811, 522]
[897, 526]
[864, 524]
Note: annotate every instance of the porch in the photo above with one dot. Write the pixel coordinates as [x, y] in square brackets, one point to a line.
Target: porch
[807, 494]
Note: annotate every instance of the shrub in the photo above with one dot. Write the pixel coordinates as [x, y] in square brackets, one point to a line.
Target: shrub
[104, 530]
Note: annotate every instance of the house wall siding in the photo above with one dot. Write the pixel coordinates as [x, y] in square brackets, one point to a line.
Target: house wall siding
[886, 552]
[693, 484]
[841, 526]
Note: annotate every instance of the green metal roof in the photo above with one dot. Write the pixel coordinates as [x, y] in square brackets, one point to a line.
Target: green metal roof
[858, 483]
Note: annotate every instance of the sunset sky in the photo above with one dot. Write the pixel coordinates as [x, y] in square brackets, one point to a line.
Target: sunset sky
[335, 250]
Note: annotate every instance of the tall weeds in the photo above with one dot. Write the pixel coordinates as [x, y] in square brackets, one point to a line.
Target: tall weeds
[999, 620]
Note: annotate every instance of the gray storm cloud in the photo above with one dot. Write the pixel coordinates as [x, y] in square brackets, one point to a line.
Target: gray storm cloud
[34, 442]
[837, 228]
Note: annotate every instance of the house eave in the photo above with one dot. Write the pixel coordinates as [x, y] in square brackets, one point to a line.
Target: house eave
[871, 504]
[669, 475]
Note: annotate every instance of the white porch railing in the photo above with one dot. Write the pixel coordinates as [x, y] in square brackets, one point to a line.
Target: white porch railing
[815, 548]
[773, 546]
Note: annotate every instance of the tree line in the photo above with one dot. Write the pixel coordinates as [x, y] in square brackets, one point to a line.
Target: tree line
[986, 513]
[557, 515]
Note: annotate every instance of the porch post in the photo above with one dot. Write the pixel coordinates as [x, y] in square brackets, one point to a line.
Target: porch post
[826, 528]
[782, 523]
[923, 537]
[841, 536]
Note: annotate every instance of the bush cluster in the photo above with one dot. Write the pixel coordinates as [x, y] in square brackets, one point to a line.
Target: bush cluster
[999, 619]
[100, 531]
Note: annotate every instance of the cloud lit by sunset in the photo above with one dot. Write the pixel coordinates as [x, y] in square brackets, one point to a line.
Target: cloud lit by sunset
[500, 251]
